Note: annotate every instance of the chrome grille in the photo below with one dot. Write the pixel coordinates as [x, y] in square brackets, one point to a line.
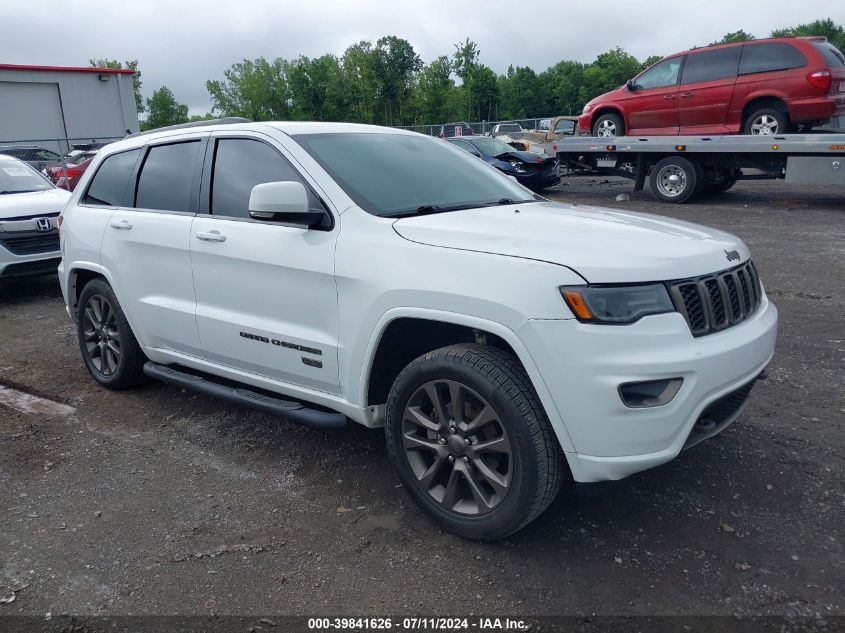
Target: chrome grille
[718, 301]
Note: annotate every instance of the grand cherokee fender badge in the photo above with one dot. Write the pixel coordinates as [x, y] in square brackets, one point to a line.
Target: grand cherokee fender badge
[279, 343]
[732, 255]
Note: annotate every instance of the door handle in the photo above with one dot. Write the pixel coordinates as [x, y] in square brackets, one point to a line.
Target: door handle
[124, 225]
[687, 95]
[669, 96]
[211, 236]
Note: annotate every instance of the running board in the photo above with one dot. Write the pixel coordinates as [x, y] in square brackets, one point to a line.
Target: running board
[293, 411]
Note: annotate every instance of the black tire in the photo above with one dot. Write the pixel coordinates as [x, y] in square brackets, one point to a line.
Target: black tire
[538, 464]
[768, 121]
[609, 125]
[129, 366]
[688, 174]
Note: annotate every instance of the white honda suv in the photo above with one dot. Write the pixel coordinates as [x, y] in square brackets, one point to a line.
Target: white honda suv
[327, 271]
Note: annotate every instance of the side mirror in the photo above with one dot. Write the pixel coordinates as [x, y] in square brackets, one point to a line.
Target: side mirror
[631, 85]
[283, 201]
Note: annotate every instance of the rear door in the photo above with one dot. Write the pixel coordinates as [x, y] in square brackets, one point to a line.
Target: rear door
[146, 245]
[707, 85]
[266, 294]
[652, 107]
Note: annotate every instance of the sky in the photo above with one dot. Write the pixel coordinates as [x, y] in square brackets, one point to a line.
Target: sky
[183, 43]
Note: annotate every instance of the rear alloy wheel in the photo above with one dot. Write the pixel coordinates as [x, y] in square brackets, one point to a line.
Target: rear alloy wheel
[767, 122]
[676, 179]
[608, 125]
[471, 442]
[109, 348]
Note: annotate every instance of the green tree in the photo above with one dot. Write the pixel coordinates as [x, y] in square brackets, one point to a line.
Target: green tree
[316, 89]
[735, 36]
[609, 71]
[394, 62]
[651, 60]
[433, 91]
[255, 89]
[358, 65]
[521, 94]
[835, 33]
[136, 78]
[562, 86]
[163, 110]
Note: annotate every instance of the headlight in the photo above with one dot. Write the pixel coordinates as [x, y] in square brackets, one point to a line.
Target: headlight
[518, 167]
[586, 109]
[616, 304]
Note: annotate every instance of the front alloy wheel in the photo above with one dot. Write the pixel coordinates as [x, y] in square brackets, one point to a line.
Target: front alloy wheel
[457, 447]
[471, 442]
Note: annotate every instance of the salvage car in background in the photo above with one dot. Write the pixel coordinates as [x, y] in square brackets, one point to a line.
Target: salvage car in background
[448, 130]
[513, 130]
[531, 170]
[36, 157]
[29, 209]
[762, 87]
[68, 172]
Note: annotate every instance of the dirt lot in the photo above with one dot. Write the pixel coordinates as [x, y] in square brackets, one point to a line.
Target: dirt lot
[159, 501]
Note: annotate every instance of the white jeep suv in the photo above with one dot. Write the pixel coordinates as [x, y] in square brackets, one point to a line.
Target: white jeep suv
[327, 271]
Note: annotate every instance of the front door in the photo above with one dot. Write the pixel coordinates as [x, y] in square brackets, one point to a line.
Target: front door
[652, 106]
[266, 294]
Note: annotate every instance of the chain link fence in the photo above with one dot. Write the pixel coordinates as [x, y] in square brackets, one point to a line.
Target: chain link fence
[478, 127]
[61, 160]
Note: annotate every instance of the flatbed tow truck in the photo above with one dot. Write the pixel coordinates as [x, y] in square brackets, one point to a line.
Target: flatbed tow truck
[680, 168]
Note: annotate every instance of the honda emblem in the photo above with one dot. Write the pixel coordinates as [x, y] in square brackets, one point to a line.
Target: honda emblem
[43, 224]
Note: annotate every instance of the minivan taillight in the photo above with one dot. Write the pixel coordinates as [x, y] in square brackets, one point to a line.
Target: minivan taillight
[820, 79]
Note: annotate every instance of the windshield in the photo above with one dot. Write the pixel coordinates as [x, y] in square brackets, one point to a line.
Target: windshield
[390, 174]
[509, 127]
[492, 146]
[18, 177]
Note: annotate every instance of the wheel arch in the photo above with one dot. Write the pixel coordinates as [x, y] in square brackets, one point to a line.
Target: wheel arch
[774, 100]
[79, 274]
[610, 108]
[382, 364]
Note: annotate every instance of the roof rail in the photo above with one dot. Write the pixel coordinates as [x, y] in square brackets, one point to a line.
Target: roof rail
[224, 121]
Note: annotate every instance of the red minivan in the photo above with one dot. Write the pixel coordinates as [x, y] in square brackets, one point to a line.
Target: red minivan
[768, 86]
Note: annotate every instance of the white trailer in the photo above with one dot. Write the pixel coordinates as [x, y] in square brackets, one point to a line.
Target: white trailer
[679, 168]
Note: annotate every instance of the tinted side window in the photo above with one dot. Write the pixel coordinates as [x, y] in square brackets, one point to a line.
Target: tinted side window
[565, 126]
[110, 184]
[660, 75]
[239, 165]
[764, 58]
[711, 65]
[832, 55]
[167, 177]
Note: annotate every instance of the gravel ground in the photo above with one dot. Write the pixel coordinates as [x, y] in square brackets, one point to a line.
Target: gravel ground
[160, 501]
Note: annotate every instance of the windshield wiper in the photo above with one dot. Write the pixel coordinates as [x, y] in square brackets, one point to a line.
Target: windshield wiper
[428, 209]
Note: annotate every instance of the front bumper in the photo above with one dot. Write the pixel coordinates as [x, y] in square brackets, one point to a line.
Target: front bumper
[13, 266]
[584, 364]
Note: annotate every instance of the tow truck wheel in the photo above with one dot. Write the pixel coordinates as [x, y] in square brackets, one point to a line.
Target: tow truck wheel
[676, 179]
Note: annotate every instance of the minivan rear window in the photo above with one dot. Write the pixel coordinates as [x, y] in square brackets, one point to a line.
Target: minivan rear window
[832, 55]
[766, 58]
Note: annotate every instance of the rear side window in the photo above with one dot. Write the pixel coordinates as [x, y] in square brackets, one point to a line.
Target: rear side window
[239, 165]
[111, 182]
[565, 126]
[711, 65]
[832, 55]
[167, 177]
[765, 58]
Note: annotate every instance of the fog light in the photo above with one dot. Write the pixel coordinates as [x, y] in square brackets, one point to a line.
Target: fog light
[650, 393]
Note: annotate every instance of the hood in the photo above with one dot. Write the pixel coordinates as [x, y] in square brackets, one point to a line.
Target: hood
[35, 203]
[601, 245]
[526, 157]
